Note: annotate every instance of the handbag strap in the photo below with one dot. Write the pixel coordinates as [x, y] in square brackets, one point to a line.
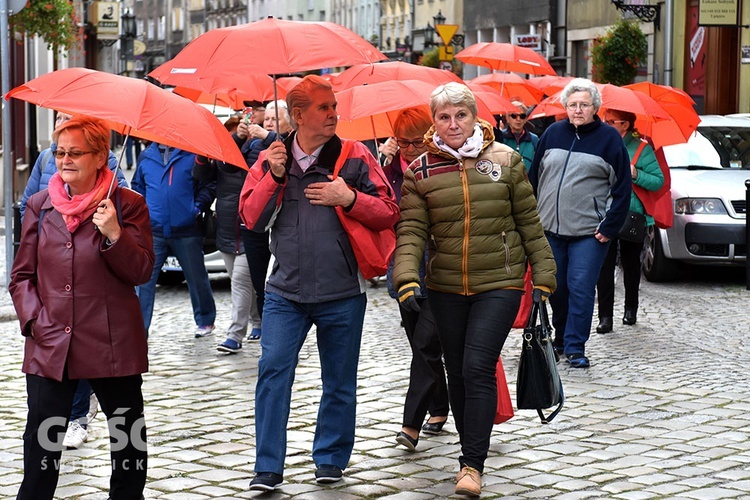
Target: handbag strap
[346, 147]
[544, 322]
[637, 154]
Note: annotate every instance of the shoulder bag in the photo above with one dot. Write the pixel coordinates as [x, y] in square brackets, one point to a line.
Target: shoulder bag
[634, 228]
[372, 249]
[538, 385]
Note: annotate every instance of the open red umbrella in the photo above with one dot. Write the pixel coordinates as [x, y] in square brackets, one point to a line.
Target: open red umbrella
[678, 104]
[368, 111]
[496, 102]
[506, 57]
[550, 84]
[133, 107]
[511, 85]
[393, 70]
[270, 47]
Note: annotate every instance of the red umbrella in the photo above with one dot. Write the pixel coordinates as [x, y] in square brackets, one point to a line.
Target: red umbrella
[505, 57]
[395, 70]
[254, 86]
[678, 104]
[550, 84]
[133, 107]
[368, 111]
[511, 85]
[497, 103]
[271, 47]
[235, 99]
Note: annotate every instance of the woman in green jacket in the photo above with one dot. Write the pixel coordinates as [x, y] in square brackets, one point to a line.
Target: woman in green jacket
[516, 135]
[646, 173]
[469, 200]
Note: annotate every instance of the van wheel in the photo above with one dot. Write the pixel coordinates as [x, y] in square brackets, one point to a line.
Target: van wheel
[656, 267]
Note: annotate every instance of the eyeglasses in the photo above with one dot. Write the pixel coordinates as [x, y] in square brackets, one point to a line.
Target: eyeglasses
[73, 155]
[403, 143]
[612, 122]
[516, 116]
[583, 106]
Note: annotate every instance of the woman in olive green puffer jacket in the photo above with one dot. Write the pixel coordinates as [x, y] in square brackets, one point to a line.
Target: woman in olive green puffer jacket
[468, 198]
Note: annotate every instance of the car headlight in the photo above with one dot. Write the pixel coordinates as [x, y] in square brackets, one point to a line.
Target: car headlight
[690, 206]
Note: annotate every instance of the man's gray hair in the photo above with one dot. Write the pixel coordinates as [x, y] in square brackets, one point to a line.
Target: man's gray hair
[582, 85]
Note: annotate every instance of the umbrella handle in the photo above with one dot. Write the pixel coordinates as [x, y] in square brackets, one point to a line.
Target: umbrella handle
[276, 107]
[119, 161]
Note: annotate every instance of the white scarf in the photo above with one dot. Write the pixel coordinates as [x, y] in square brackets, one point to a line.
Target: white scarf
[471, 148]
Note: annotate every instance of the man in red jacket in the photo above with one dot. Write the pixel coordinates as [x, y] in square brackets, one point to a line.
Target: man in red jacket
[315, 279]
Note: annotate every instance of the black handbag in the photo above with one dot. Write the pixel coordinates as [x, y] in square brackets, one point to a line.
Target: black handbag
[634, 228]
[538, 385]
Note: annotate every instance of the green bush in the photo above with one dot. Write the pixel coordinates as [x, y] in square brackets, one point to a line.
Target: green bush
[54, 20]
[616, 55]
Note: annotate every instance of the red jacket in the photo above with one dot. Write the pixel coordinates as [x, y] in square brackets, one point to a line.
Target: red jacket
[82, 293]
[314, 257]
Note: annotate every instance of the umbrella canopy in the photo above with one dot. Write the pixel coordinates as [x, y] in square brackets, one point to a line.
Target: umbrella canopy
[369, 111]
[511, 85]
[678, 104]
[550, 84]
[492, 98]
[133, 107]
[271, 47]
[235, 99]
[505, 57]
[360, 74]
[254, 86]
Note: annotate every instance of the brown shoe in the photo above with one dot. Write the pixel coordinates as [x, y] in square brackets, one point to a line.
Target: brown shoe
[469, 482]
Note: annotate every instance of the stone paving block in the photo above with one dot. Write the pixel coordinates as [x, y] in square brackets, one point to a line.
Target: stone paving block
[711, 493]
[176, 484]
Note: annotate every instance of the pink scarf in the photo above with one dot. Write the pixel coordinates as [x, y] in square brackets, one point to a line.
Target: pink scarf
[79, 207]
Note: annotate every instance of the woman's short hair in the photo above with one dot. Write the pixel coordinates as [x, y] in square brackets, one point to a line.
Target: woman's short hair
[625, 116]
[95, 131]
[412, 122]
[453, 93]
[582, 85]
[282, 107]
[299, 96]
[231, 123]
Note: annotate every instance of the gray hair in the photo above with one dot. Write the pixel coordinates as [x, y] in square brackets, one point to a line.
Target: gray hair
[283, 109]
[453, 93]
[582, 85]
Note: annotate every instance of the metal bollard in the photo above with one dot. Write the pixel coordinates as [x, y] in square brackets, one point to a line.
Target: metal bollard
[747, 234]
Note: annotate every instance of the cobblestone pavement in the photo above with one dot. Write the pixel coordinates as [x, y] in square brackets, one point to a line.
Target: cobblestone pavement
[663, 412]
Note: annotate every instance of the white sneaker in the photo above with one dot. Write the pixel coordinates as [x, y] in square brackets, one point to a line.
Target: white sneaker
[93, 408]
[202, 331]
[75, 436]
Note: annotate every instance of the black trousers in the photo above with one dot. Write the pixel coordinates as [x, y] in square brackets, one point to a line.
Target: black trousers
[49, 403]
[428, 390]
[630, 258]
[472, 330]
[258, 255]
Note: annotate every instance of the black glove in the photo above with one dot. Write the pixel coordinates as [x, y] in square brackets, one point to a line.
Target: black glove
[540, 293]
[408, 295]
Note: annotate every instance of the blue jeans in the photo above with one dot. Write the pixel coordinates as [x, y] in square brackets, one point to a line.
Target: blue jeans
[472, 331]
[189, 252]
[81, 402]
[578, 261]
[338, 333]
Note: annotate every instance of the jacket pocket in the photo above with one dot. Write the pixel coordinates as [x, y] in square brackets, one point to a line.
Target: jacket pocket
[347, 253]
[506, 250]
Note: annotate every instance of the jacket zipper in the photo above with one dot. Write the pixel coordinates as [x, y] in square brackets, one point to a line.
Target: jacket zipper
[559, 185]
[467, 224]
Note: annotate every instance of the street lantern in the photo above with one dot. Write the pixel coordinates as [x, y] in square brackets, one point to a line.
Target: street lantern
[128, 25]
[439, 18]
[429, 36]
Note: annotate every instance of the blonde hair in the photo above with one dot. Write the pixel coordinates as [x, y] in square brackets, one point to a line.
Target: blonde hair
[453, 93]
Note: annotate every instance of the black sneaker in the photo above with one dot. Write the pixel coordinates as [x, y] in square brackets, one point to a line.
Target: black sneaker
[328, 474]
[578, 360]
[266, 481]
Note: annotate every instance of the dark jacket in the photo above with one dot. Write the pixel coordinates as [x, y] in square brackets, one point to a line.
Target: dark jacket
[479, 228]
[581, 178]
[41, 174]
[251, 148]
[314, 258]
[174, 198]
[229, 181]
[525, 147]
[81, 293]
